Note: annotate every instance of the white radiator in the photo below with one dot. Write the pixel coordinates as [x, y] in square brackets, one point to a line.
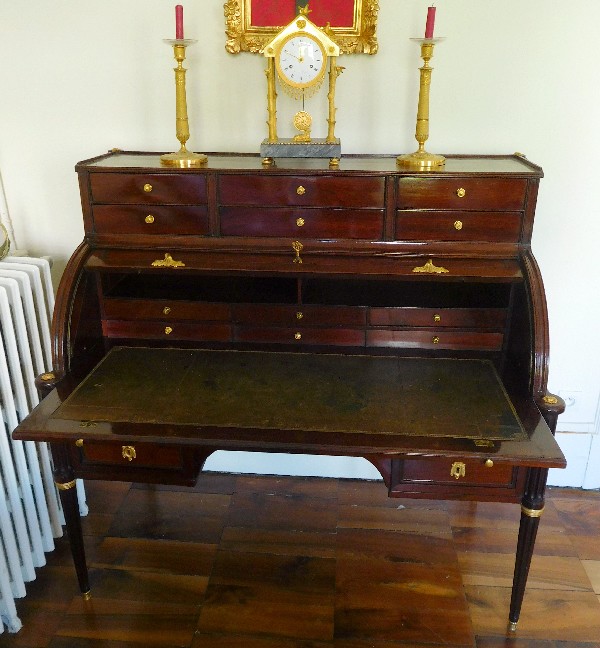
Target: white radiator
[30, 512]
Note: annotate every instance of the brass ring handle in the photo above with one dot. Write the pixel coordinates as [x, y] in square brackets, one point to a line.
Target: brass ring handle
[301, 190]
[147, 187]
[458, 225]
[149, 219]
[128, 452]
[300, 222]
[461, 193]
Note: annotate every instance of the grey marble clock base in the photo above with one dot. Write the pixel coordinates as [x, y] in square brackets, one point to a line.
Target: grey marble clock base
[288, 148]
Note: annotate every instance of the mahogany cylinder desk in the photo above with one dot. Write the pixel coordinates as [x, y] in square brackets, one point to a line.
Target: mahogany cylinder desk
[362, 311]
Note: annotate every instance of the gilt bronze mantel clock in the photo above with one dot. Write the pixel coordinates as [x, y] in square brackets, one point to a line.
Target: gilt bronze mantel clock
[300, 56]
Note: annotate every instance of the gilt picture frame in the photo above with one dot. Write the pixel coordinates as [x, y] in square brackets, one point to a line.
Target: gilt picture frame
[251, 24]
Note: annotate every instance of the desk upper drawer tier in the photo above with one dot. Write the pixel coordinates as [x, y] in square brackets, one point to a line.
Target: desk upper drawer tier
[302, 191]
[462, 194]
[148, 188]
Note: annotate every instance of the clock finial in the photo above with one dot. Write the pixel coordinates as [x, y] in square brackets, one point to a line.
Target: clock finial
[303, 9]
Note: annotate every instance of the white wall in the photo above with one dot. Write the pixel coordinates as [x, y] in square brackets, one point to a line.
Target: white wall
[78, 77]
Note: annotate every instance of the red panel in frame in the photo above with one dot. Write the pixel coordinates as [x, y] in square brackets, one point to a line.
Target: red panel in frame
[251, 24]
[270, 13]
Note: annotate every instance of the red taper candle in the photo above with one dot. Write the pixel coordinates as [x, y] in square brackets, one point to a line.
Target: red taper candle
[178, 22]
[430, 22]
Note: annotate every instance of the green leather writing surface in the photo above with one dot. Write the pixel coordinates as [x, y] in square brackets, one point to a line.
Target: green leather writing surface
[297, 391]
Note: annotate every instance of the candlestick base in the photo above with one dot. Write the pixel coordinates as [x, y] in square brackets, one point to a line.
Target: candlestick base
[421, 160]
[183, 159]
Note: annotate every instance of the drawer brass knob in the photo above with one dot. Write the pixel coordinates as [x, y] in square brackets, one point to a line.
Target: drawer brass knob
[458, 225]
[489, 463]
[166, 310]
[300, 222]
[147, 188]
[461, 193]
[128, 452]
[435, 339]
[149, 219]
[79, 443]
[301, 190]
[168, 330]
[297, 336]
[299, 315]
[458, 470]
[437, 318]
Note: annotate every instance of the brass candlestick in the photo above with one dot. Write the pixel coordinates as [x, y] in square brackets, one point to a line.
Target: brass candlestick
[183, 158]
[421, 159]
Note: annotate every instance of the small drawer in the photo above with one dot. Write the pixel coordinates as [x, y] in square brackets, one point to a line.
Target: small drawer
[156, 220]
[488, 318]
[148, 188]
[300, 336]
[307, 223]
[144, 462]
[167, 331]
[172, 310]
[456, 478]
[434, 339]
[303, 191]
[494, 227]
[298, 315]
[489, 194]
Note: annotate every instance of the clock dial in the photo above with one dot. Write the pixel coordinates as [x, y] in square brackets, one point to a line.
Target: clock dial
[301, 61]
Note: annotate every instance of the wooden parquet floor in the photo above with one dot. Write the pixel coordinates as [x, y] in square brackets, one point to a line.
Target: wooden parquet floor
[280, 562]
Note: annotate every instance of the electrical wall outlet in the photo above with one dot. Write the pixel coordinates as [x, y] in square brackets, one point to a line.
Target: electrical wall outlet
[581, 406]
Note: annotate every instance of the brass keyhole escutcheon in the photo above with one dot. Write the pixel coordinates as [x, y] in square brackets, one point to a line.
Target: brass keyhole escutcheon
[458, 470]
[300, 222]
[437, 318]
[166, 310]
[297, 247]
[489, 463]
[149, 219]
[461, 193]
[301, 190]
[458, 225]
[168, 330]
[128, 452]
[299, 315]
[435, 339]
[297, 336]
[147, 187]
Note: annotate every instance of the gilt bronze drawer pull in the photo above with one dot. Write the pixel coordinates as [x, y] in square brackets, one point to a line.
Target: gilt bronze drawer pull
[301, 190]
[149, 219]
[461, 193]
[435, 339]
[437, 318]
[299, 315]
[489, 463]
[147, 188]
[167, 262]
[458, 470]
[166, 310]
[458, 225]
[297, 336]
[128, 452]
[168, 330]
[300, 222]
[430, 268]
